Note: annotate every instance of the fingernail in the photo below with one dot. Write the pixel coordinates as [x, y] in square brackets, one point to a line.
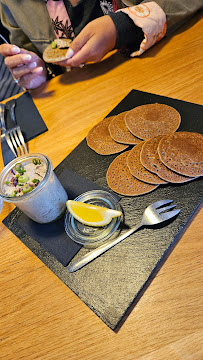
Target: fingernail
[32, 65]
[38, 70]
[26, 57]
[15, 50]
[69, 53]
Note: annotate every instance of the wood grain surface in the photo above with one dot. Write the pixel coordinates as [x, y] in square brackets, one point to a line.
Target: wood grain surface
[40, 318]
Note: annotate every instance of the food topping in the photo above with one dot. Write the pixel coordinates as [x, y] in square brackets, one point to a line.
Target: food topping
[61, 43]
[24, 177]
[53, 45]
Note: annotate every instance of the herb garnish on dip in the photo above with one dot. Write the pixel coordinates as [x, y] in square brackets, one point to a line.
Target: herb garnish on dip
[24, 177]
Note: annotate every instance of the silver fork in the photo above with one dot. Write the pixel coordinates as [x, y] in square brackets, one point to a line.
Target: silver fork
[16, 142]
[153, 214]
[13, 136]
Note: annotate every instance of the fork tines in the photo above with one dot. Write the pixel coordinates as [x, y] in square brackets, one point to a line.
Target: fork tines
[16, 142]
[160, 203]
[166, 210]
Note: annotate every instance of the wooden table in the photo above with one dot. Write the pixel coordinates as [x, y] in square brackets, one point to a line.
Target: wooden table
[40, 317]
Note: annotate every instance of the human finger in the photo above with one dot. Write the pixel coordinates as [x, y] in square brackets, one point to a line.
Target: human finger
[76, 45]
[95, 40]
[21, 58]
[17, 60]
[89, 52]
[9, 50]
[33, 79]
[20, 71]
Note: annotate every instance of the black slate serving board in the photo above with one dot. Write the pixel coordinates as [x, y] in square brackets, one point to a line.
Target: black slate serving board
[112, 282]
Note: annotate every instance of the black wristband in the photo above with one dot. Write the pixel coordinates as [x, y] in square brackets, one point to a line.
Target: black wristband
[129, 35]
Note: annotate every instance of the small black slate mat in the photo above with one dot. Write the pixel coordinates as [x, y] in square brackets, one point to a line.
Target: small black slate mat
[27, 117]
[52, 237]
[110, 283]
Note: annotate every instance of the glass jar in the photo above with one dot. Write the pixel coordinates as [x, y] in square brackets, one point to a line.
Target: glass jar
[47, 201]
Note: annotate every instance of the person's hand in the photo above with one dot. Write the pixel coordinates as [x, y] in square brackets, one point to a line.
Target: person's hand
[25, 66]
[94, 41]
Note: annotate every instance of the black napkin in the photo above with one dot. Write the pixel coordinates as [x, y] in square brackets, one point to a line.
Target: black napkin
[52, 237]
[27, 117]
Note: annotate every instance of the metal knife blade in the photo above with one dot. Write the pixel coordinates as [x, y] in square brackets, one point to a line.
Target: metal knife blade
[10, 106]
[5, 149]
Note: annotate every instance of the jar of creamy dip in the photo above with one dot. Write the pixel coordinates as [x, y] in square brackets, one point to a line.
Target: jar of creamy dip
[30, 183]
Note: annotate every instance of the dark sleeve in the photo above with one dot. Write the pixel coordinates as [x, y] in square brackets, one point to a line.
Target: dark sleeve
[129, 36]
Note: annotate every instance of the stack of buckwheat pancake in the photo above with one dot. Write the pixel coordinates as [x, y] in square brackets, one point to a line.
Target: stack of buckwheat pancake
[160, 155]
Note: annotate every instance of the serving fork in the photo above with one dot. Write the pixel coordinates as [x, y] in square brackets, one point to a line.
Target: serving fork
[153, 214]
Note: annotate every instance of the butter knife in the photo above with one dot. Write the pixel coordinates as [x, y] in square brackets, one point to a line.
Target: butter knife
[10, 106]
[7, 153]
[93, 254]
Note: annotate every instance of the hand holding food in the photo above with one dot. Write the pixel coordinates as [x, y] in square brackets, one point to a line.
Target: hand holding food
[95, 40]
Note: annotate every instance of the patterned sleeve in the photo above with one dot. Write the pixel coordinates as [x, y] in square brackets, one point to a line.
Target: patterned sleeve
[151, 19]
